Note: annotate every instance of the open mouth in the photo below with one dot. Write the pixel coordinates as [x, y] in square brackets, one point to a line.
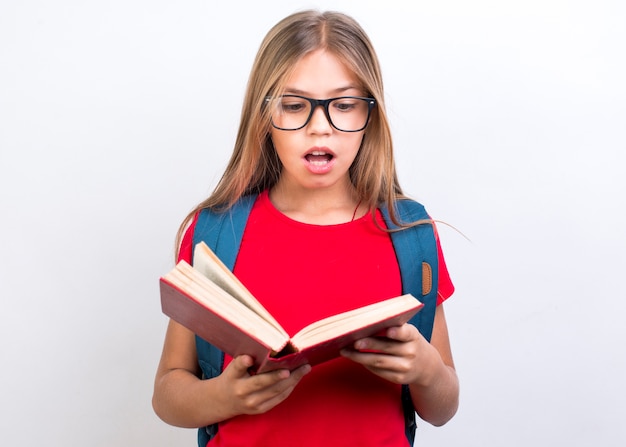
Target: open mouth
[318, 158]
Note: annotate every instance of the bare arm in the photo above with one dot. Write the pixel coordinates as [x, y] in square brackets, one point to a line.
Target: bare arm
[436, 394]
[180, 398]
[405, 357]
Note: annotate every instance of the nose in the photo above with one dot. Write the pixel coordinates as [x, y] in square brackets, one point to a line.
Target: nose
[319, 121]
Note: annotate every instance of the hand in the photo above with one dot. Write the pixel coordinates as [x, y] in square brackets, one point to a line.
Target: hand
[402, 356]
[254, 394]
[406, 357]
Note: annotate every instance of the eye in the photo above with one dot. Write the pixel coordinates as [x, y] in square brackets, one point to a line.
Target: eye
[292, 105]
[345, 104]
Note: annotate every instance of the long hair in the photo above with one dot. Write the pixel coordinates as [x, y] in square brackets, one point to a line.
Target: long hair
[254, 165]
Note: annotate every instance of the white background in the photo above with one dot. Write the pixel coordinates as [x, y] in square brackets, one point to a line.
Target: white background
[117, 117]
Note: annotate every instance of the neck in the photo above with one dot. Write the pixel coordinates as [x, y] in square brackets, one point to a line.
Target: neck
[320, 206]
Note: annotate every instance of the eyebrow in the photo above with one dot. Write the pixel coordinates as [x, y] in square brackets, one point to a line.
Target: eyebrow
[295, 91]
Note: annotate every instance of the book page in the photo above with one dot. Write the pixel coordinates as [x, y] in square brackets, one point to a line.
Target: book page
[202, 290]
[207, 263]
[353, 320]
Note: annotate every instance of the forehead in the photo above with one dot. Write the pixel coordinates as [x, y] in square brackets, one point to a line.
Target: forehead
[321, 74]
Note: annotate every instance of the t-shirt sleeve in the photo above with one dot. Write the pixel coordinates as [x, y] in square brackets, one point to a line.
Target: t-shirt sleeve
[445, 288]
[186, 245]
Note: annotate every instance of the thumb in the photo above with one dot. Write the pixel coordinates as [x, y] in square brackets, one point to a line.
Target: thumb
[239, 365]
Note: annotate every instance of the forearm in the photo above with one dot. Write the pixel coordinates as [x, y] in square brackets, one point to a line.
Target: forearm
[183, 400]
[436, 400]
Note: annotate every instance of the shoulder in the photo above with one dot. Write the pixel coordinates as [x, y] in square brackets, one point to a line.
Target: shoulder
[410, 209]
[185, 251]
[404, 213]
[209, 218]
[222, 228]
[207, 224]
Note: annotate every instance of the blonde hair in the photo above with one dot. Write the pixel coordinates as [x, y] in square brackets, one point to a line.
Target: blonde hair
[254, 165]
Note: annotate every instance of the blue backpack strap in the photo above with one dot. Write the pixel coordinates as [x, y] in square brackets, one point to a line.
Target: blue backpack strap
[416, 246]
[416, 251]
[222, 232]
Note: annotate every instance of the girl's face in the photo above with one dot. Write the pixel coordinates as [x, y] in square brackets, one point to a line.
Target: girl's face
[318, 156]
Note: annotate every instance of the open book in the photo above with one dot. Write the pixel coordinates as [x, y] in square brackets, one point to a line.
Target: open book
[210, 301]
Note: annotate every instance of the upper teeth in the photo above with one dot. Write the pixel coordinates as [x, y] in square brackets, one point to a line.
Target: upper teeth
[318, 153]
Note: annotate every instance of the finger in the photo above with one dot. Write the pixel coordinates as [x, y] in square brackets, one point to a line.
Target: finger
[278, 380]
[389, 367]
[377, 345]
[266, 397]
[372, 361]
[288, 384]
[405, 333]
[300, 372]
[381, 347]
[283, 377]
[240, 365]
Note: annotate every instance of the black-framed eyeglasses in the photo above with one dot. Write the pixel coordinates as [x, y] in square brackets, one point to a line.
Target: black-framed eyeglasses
[344, 113]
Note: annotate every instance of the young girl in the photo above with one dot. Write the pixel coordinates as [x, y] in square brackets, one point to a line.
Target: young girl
[314, 154]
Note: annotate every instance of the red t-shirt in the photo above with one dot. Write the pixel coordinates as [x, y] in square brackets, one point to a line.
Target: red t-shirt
[302, 273]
